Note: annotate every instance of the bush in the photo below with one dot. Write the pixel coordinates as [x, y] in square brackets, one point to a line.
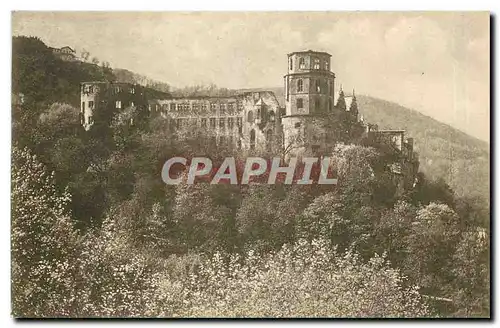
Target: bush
[306, 279]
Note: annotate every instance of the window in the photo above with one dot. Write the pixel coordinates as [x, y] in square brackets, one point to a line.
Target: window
[118, 104]
[222, 123]
[250, 117]
[90, 119]
[164, 107]
[327, 65]
[83, 105]
[91, 89]
[172, 106]
[132, 90]
[291, 64]
[300, 103]
[318, 86]
[297, 125]
[132, 104]
[118, 89]
[230, 107]
[82, 118]
[212, 122]
[204, 107]
[316, 63]
[213, 107]
[300, 85]
[269, 135]
[239, 121]
[271, 116]
[222, 109]
[91, 104]
[204, 122]
[230, 123]
[302, 63]
[195, 106]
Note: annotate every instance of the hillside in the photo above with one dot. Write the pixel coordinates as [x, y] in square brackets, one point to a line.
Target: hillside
[462, 160]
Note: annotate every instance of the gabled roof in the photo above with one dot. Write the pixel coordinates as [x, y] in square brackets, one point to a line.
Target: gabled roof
[260, 102]
[68, 47]
[309, 52]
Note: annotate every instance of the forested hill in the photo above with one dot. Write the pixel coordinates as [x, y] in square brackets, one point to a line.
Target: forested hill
[444, 152]
[45, 79]
[463, 161]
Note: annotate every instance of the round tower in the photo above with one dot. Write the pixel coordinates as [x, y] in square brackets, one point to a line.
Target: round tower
[309, 95]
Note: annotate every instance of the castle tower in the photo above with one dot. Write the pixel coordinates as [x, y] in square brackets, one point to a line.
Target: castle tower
[309, 95]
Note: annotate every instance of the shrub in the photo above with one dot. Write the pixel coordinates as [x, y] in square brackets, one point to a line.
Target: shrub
[306, 279]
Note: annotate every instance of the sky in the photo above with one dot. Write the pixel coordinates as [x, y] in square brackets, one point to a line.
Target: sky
[436, 63]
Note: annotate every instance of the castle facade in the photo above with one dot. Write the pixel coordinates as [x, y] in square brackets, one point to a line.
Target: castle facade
[313, 119]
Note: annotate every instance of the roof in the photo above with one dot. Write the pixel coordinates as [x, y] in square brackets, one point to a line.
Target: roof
[68, 48]
[391, 131]
[309, 52]
[260, 102]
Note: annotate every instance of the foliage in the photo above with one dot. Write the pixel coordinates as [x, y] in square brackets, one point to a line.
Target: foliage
[111, 281]
[43, 241]
[125, 244]
[306, 279]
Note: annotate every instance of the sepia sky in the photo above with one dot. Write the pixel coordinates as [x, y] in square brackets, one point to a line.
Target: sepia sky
[436, 63]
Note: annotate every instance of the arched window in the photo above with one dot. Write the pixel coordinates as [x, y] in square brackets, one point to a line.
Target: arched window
[316, 63]
[250, 117]
[269, 135]
[271, 116]
[300, 103]
[300, 85]
[302, 63]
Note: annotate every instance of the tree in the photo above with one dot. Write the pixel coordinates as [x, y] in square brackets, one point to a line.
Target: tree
[304, 279]
[471, 269]
[431, 244]
[43, 242]
[84, 55]
[112, 279]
